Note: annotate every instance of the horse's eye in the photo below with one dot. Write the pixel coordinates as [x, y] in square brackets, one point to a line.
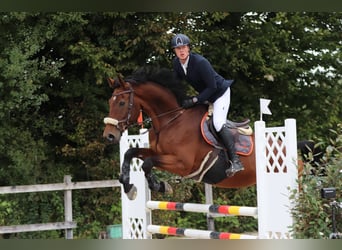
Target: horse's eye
[121, 103]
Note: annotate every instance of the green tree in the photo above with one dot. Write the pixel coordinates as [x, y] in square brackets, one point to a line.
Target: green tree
[291, 58]
[53, 70]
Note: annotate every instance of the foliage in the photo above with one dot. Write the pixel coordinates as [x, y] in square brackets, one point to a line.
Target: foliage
[312, 213]
[53, 70]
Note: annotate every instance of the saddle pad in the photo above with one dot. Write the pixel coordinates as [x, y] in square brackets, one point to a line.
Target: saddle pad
[243, 143]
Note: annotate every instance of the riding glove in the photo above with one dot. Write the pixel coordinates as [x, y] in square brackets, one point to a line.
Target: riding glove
[188, 103]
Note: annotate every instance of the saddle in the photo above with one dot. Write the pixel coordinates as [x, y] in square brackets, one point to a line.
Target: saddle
[211, 170]
[241, 130]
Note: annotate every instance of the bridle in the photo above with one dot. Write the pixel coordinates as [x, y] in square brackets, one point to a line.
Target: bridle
[124, 122]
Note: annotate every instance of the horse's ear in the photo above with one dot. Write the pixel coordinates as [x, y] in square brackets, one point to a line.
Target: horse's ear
[111, 82]
[121, 80]
[115, 83]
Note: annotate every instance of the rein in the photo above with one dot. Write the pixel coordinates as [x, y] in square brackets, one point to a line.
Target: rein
[169, 121]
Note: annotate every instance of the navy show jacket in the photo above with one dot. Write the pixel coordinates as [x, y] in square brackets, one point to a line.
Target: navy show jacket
[202, 77]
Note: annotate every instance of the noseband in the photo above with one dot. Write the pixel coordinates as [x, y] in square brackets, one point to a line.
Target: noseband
[124, 122]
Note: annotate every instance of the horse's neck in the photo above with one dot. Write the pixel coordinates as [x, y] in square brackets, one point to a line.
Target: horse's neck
[157, 102]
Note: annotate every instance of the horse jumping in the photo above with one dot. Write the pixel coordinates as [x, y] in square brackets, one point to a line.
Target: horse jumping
[176, 142]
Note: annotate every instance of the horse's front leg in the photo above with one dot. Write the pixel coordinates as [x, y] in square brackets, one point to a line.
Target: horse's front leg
[153, 183]
[168, 163]
[141, 153]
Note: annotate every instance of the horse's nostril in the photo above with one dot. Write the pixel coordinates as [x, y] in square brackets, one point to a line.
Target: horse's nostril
[110, 137]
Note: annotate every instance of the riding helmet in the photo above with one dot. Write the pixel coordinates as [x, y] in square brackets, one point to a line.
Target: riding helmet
[180, 40]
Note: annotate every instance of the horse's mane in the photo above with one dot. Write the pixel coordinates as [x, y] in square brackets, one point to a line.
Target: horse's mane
[162, 76]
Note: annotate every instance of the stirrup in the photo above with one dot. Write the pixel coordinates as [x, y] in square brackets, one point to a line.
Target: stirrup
[233, 170]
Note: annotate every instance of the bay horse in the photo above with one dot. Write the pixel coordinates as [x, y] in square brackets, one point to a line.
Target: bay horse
[176, 143]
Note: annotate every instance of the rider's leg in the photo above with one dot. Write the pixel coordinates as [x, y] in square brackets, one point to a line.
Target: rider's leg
[220, 111]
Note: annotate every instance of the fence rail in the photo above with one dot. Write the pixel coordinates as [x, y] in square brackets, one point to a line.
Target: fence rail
[37, 227]
[58, 187]
[67, 186]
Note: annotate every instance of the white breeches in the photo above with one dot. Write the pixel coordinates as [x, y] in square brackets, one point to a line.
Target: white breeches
[220, 110]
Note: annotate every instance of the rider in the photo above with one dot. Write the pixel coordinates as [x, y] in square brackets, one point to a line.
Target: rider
[211, 87]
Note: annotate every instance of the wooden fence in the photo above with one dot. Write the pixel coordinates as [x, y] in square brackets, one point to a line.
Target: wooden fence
[67, 186]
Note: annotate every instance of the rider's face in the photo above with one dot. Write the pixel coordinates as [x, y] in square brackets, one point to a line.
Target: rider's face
[182, 52]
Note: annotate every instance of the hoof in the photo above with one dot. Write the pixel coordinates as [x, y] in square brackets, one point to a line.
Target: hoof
[132, 193]
[168, 188]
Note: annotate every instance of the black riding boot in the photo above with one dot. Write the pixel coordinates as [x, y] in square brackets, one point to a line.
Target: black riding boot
[228, 141]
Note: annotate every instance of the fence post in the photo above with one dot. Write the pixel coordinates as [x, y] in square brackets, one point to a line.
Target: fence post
[276, 159]
[261, 171]
[135, 216]
[209, 200]
[291, 155]
[68, 206]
